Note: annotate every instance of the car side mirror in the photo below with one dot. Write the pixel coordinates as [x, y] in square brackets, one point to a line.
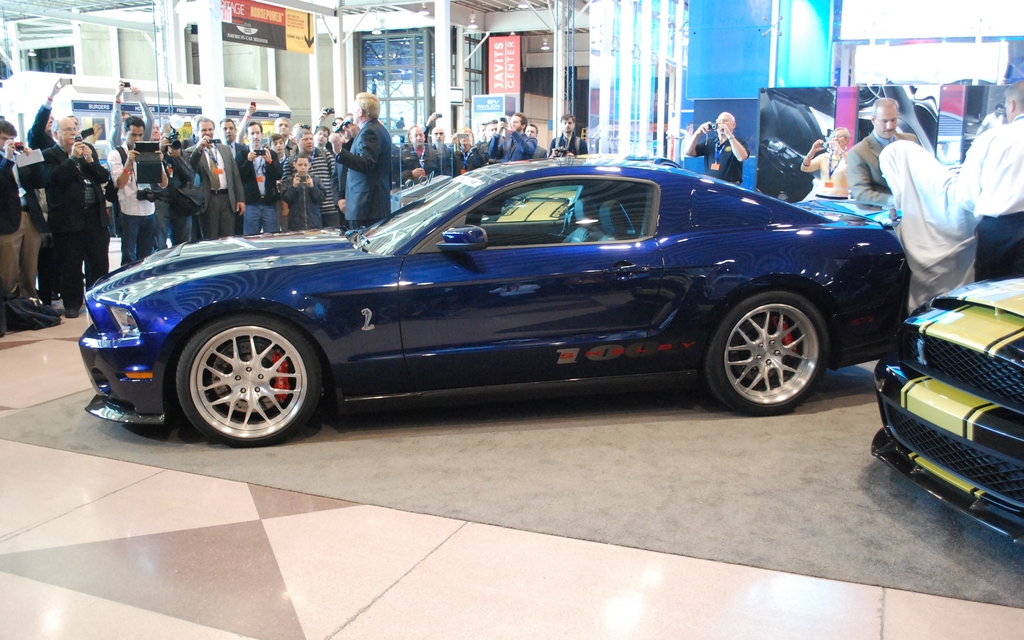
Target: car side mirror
[465, 238]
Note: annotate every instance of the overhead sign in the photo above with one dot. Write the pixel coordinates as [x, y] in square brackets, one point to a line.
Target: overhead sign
[505, 66]
[265, 25]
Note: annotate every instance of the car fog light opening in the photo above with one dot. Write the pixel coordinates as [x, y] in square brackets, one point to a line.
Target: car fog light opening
[125, 321]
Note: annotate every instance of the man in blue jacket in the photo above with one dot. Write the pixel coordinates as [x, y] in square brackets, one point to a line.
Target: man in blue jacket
[510, 145]
[368, 183]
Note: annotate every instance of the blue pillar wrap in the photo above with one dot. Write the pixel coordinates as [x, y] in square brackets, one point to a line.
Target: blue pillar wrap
[805, 47]
[728, 56]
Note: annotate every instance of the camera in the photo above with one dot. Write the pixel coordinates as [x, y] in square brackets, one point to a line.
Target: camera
[341, 127]
[559, 152]
[127, 85]
[714, 126]
[78, 138]
[503, 119]
[145, 195]
[175, 139]
[19, 147]
[328, 111]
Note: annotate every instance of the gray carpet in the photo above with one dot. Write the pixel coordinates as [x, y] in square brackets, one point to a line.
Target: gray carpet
[667, 472]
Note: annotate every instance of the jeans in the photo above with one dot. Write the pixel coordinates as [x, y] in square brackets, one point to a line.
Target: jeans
[138, 237]
[259, 216]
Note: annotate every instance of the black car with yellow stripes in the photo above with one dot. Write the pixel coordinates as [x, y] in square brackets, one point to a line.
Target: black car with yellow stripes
[952, 402]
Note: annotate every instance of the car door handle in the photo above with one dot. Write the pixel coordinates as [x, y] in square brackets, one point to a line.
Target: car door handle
[624, 269]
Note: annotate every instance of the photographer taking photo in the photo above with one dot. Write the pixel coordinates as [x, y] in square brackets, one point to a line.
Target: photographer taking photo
[174, 217]
[138, 213]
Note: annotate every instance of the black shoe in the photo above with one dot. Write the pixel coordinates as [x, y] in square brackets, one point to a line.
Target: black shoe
[71, 314]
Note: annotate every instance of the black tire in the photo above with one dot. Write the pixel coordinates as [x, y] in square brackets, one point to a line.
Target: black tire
[767, 353]
[248, 381]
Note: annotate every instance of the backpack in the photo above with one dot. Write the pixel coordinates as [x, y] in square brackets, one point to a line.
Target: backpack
[28, 314]
[110, 189]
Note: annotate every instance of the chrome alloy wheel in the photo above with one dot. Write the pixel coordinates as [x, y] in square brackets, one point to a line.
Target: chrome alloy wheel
[248, 382]
[771, 354]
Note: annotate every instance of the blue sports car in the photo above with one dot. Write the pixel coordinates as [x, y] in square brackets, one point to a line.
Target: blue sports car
[537, 278]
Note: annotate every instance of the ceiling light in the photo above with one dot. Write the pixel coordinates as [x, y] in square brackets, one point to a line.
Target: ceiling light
[423, 10]
[472, 22]
[523, 4]
[31, 53]
[544, 46]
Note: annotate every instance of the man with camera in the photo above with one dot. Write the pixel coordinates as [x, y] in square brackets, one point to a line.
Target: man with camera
[78, 213]
[723, 158]
[368, 184]
[322, 168]
[511, 144]
[138, 213]
[568, 144]
[173, 216]
[221, 185]
[419, 159]
[260, 169]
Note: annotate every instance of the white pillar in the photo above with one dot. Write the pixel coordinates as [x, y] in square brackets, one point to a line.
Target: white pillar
[460, 79]
[211, 59]
[443, 60]
[340, 60]
[115, 54]
[314, 86]
[76, 38]
[272, 71]
[560, 44]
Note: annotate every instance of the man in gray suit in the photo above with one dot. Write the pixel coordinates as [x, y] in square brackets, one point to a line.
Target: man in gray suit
[862, 172]
[221, 183]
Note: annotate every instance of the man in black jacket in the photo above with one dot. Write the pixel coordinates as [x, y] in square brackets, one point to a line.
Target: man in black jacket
[78, 212]
[260, 169]
[368, 184]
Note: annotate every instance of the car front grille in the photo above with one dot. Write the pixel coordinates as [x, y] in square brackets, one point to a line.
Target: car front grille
[974, 368]
[987, 472]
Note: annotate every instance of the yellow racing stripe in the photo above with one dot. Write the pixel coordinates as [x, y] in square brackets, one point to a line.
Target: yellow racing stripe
[977, 328]
[940, 404]
[935, 469]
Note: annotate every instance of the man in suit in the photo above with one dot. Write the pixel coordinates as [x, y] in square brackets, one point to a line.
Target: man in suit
[220, 181]
[862, 172]
[511, 143]
[368, 183]
[78, 213]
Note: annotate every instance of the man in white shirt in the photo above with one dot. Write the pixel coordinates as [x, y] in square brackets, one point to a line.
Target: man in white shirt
[138, 216]
[992, 185]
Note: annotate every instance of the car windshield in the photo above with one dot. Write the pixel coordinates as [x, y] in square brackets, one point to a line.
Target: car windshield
[391, 234]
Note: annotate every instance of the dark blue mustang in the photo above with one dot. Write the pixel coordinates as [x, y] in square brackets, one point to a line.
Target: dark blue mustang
[527, 277]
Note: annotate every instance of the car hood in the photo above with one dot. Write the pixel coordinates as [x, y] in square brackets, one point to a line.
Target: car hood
[195, 261]
[1003, 295]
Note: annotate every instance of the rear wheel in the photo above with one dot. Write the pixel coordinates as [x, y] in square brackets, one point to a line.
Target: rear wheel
[767, 353]
[248, 381]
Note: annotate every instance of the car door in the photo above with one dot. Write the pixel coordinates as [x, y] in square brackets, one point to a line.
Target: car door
[569, 277]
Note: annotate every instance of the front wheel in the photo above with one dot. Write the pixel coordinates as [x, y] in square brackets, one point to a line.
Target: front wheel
[767, 353]
[248, 381]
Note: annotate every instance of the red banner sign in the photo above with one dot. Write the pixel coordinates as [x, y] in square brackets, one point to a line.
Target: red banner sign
[505, 69]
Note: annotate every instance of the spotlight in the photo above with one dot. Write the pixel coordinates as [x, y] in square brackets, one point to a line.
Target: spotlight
[31, 53]
[523, 4]
[472, 22]
[544, 46]
[423, 9]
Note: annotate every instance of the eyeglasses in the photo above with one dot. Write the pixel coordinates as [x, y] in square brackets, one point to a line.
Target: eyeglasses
[72, 130]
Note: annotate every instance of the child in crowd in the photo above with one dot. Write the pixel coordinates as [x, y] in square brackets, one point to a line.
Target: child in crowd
[303, 195]
[277, 143]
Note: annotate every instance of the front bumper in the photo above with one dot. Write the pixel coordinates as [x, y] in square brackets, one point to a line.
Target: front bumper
[892, 446]
[108, 409]
[126, 372]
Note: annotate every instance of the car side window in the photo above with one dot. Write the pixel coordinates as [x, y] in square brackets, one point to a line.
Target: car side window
[565, 211]
[710, 209]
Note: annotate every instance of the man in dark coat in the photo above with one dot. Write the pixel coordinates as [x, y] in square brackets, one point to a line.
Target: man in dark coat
[78, 213]
[368, 183]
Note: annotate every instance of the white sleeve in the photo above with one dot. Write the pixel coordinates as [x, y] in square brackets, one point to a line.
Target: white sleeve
[114, 164]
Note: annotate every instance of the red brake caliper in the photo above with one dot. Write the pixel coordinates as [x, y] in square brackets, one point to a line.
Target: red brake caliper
[787, 338]
[281, 383]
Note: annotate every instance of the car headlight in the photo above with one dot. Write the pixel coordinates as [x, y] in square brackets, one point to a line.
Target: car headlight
[126, 323]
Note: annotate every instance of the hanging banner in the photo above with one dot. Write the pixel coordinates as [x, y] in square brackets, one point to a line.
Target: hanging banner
[506, 68]
[265, 25]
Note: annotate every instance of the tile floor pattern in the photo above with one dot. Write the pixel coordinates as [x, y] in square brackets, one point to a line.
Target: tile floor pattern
[98, 548]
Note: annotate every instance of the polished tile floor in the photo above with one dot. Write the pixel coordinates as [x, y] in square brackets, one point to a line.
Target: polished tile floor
[98, 548]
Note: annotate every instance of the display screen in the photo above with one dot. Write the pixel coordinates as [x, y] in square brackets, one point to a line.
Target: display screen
[888, 20]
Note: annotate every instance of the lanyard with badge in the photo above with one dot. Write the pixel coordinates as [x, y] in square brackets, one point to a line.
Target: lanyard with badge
[214, 165]
[832, 168]
[719, 146]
